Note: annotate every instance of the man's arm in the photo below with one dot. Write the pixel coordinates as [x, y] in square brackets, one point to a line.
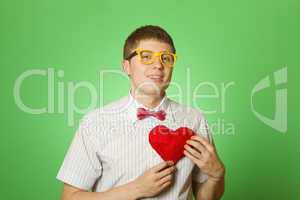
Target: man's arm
[152, 182]
[204, 155]
[209, 190]
[126, 192]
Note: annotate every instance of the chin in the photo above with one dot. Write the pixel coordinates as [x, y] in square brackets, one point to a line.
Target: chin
[151, 88]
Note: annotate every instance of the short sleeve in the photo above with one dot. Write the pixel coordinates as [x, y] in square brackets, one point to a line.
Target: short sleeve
[81, 166]
[203, 130]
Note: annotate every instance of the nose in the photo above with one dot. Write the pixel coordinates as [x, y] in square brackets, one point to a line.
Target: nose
[157, 63]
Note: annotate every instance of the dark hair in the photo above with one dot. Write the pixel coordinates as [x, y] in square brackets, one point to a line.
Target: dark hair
[144, 33]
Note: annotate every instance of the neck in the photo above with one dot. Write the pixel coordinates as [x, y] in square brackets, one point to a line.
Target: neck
[148, 100]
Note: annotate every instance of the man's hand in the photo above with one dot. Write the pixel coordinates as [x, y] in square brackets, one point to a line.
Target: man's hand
[155, 180]
[204, 155]
[150, 183]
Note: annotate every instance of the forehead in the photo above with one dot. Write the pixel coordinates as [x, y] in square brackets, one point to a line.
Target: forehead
[154, 45]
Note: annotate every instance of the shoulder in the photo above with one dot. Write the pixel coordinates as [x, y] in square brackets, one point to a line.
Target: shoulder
[186, 110]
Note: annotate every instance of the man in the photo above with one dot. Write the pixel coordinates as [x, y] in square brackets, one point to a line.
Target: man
[110, 156]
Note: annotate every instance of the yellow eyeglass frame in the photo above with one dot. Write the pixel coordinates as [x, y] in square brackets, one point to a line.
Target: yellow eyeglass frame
[155, 54]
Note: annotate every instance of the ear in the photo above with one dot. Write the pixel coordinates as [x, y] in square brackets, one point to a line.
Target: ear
[126, 67]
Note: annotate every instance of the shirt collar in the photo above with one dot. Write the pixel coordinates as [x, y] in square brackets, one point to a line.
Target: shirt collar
[134, 105]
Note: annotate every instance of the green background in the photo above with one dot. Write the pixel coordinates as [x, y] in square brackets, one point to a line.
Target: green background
[218, 41]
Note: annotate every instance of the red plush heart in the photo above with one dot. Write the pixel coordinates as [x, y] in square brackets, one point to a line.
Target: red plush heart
[169, 144]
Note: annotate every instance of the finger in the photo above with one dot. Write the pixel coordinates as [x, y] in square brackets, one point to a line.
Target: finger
[192, 151]
[165, 185]
[166, 172]
[162, 165]
[190, 156]
[197, 145]
[165, 179]
[203, 141]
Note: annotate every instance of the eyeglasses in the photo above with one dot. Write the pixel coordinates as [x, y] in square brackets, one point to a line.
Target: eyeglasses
[147, 57]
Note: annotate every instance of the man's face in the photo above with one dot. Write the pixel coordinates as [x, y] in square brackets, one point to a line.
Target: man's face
[149, 79]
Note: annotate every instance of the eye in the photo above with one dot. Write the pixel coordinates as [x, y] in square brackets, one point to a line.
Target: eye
[145, 55]
[167, 58]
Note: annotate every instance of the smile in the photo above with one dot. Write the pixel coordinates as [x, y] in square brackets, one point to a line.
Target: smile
[156, 78]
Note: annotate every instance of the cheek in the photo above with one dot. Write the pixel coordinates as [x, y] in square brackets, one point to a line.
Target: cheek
[138, 72]
[168, 73]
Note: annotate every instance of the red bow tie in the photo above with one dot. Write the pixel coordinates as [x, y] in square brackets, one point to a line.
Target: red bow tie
[143, 113]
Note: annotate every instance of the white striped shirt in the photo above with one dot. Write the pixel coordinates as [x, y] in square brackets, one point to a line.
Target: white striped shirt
[111, 148]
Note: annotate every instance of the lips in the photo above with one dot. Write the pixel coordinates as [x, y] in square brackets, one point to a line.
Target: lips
[156, 77]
